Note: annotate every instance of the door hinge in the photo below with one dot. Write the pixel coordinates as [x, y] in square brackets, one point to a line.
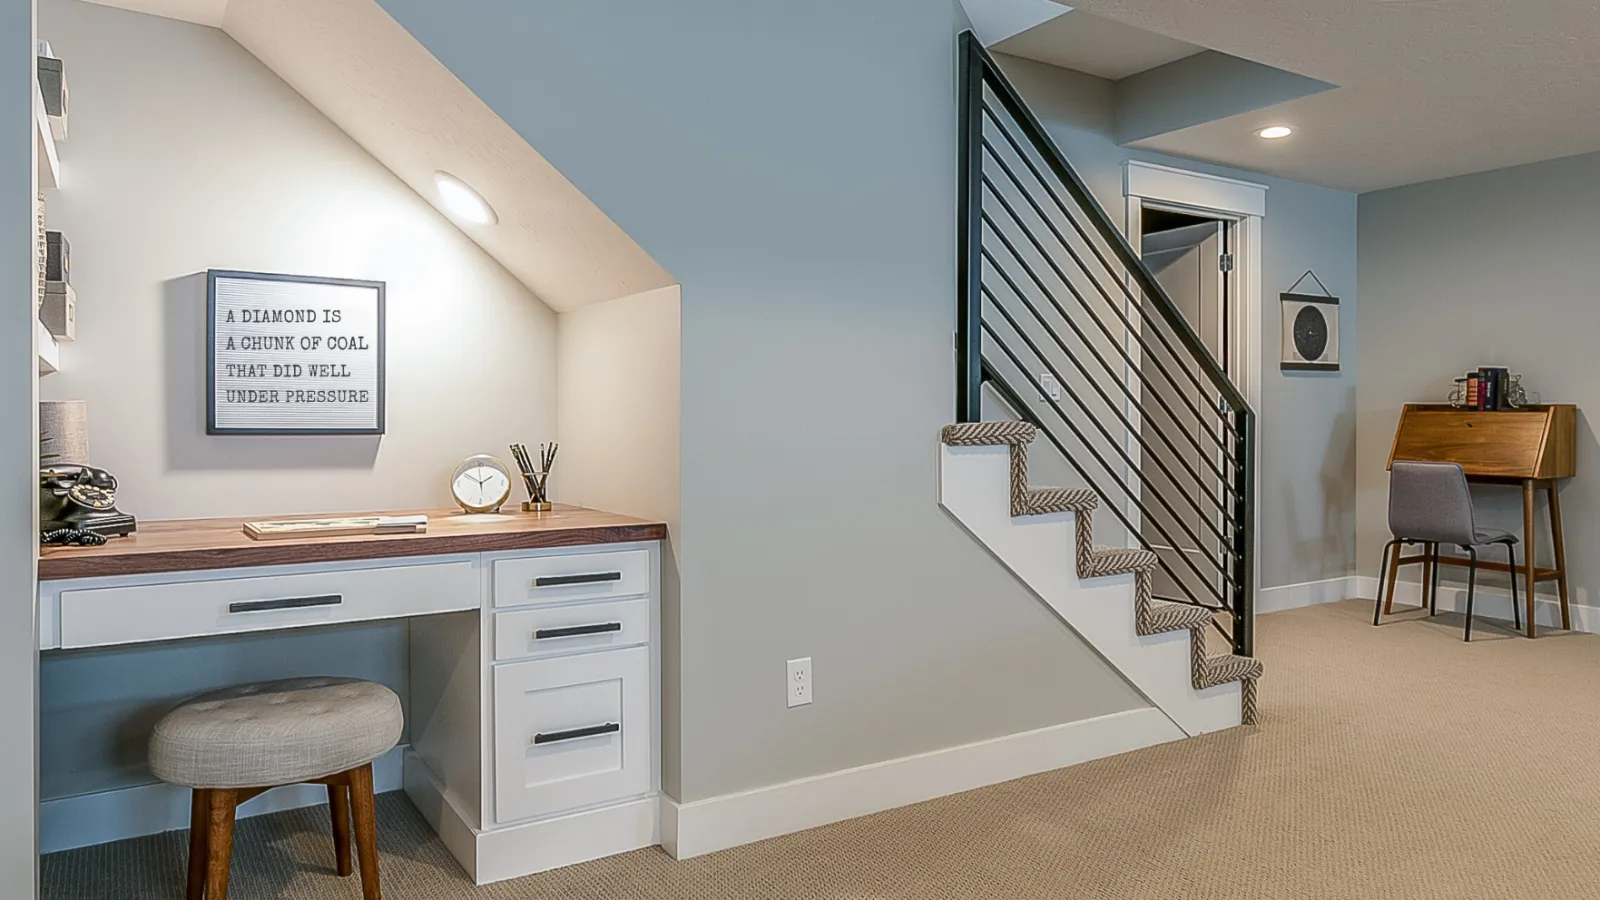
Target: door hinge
[1225, 262]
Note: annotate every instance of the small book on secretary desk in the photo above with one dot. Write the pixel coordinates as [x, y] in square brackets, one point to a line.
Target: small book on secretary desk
[1533, 446]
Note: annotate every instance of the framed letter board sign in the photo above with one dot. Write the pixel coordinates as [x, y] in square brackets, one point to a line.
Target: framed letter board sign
[290, 354]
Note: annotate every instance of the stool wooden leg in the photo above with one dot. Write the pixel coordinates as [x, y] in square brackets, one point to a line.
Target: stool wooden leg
[219, 842]
[364, 811]
[199, 824]
[339, 809]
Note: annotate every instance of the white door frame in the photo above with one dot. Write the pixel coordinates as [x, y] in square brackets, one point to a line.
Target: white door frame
[1245, 204]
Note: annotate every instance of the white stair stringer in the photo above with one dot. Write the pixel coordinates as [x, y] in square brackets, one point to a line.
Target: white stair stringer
[1034, 532]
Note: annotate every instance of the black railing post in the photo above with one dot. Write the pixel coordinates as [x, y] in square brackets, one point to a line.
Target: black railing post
[969, 274]
[1244, 551]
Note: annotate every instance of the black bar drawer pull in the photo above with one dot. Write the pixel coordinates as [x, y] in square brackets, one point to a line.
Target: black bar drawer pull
[564, 580]
[576, 630]
[286, 603]
[552, 737]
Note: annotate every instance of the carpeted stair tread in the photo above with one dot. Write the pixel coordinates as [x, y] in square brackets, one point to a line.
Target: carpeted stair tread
[1223, 669]
[1161, 616]
[988, 434]
[1040, 501]
[1104, 561]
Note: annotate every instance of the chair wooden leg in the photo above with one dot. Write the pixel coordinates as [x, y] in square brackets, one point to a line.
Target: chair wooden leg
[339, 811]
[1377, 602]
[364, 812]
[222, 805]
[199, 824]
[1394, 573]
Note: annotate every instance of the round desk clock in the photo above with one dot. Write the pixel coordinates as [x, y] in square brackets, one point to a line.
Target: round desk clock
[481, 484]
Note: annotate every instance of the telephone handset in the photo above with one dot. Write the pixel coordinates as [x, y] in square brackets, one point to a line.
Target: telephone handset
[76, 499]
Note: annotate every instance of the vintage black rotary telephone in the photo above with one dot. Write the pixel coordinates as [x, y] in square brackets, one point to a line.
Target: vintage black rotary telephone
[78, 505]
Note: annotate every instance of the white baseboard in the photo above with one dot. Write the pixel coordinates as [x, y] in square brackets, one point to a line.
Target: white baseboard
[705, 826]
[526, 848]
[1306, 593]
[1492, 601]
[107, 816]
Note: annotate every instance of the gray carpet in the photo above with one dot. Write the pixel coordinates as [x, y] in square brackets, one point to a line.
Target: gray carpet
[1392, 763]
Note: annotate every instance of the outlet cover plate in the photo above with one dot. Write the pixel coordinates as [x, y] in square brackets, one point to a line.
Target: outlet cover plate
[798, 683]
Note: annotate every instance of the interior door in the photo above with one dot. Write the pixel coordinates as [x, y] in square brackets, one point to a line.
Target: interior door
[1182, 458]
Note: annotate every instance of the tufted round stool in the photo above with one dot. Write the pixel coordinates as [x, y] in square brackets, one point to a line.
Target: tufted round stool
[233, 744]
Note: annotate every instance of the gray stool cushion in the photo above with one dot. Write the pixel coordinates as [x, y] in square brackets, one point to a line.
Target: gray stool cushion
[279, 732]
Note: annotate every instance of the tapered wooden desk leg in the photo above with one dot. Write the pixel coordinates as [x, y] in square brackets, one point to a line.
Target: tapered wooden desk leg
[1528, 548]
[1561, 551]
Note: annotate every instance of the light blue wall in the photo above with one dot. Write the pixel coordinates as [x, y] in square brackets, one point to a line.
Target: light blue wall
[1306, 420]
[793, 164]
[1497, 268]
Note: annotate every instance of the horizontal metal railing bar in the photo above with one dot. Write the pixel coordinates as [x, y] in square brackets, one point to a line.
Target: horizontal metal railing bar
[1132, 366]
[1020, 407]
[1127, 491]
[1111, 272]
[1056, 160]
[1105, 432]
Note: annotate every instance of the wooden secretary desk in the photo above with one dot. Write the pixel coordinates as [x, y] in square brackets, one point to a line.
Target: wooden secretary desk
[1532, 446]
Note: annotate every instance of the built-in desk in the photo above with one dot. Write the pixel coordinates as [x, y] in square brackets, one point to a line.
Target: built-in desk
[533, 700]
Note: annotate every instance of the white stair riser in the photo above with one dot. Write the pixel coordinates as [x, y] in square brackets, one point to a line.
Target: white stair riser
[975, 486]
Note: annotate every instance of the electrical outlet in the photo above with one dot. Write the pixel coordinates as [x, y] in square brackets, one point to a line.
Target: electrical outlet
[1050, 385]
[799, 681]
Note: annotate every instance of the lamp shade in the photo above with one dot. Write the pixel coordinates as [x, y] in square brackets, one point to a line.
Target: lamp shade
[64, 432]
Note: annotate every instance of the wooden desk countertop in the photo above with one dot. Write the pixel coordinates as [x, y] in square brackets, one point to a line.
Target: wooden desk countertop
[192, 544]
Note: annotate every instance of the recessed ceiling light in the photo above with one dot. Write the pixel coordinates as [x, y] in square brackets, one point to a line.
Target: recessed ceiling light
[1274, 132]
[463, 202]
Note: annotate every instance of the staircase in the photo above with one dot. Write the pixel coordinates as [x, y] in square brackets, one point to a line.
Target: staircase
[1063, 333]
[1103, 592]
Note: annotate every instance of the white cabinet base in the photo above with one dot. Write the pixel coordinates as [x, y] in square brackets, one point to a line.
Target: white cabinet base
[531, 847]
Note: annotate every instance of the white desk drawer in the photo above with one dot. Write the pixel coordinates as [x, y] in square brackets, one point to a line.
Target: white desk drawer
[571, 732]
[156, 612]
[566, 629]
[576, 576]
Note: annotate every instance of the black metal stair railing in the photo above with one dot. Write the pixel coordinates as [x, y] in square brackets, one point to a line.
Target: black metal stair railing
[1061, 322]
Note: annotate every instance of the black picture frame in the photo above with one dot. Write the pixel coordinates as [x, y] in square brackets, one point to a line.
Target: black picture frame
[212, 275]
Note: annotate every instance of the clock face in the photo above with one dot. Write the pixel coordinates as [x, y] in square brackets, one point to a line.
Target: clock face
[481, 483]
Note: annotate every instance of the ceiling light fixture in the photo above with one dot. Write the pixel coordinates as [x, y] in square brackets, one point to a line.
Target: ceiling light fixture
[463, 202]
[1274, 132]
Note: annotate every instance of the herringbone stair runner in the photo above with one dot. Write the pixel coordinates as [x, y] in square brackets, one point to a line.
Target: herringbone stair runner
[1151, 615]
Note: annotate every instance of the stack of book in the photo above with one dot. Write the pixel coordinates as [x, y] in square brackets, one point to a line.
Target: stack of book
[1486, 388]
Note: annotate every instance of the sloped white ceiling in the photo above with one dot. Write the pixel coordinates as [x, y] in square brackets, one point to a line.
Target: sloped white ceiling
[371, 78]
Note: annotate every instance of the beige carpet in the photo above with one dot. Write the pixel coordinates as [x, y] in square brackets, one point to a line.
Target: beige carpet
[1394, 762]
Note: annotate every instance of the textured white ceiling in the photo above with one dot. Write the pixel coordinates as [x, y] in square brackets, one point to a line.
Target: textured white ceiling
[371, 78]
[1088, 43]
[1427, 88]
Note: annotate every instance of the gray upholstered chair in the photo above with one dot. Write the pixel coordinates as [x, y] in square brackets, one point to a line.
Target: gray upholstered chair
[233, 744]
[1431, 504]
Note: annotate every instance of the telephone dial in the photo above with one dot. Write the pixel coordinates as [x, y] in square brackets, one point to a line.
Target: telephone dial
[78, 504]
